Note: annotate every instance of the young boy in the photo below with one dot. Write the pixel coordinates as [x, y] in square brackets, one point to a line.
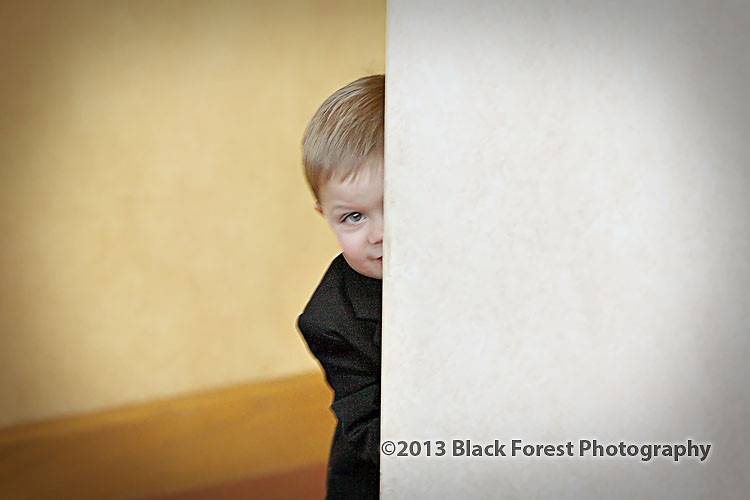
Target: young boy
[343, 159]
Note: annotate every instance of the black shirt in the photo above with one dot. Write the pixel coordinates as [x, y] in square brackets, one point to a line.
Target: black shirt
[341, 325]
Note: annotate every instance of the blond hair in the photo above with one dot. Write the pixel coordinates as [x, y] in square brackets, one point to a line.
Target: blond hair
[345, 132]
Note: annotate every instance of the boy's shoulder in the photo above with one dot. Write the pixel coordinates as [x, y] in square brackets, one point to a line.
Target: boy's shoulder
[343, 294]
[328, 298]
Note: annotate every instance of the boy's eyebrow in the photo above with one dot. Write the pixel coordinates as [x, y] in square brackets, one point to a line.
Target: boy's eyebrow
[345, 207]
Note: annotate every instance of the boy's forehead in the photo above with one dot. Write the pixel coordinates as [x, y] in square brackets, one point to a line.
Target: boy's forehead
[363, 188]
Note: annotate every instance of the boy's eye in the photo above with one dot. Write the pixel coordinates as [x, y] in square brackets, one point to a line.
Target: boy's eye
[354, 217]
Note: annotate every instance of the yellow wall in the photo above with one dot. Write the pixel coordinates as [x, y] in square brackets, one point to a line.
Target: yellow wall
[157, 234]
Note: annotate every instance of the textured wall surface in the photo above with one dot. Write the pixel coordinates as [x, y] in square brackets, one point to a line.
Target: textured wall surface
[567, 245]
[157, 235]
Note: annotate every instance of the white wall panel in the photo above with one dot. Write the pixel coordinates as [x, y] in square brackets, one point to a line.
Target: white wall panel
[568, 244]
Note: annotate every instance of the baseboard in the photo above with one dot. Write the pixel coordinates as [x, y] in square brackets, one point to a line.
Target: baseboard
[186, 443]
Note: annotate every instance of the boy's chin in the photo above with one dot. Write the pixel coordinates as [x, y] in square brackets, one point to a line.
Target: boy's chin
[370, 269]
[377, 276]
[371, 273]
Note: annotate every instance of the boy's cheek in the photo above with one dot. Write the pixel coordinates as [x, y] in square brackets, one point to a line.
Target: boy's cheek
[345, 240]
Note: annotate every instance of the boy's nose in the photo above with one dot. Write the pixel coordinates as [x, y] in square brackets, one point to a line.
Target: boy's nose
[376, 232]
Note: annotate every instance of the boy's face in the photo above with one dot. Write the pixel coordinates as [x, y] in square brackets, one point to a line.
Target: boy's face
[354, 210]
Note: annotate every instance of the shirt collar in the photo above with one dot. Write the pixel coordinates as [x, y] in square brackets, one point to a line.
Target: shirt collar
[365, 293]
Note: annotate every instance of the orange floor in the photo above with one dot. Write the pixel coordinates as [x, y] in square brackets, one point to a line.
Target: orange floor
[257, 440]
[307, 483]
